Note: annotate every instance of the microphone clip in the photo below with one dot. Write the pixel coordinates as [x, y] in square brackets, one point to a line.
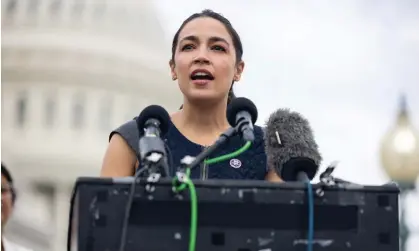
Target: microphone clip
[245, 129]
[326, 179]
[152, 179]
[154, 164]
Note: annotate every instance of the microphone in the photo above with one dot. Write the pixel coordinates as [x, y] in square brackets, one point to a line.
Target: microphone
[153, 123]
[290, 146]
[154, 120]
[242, 114]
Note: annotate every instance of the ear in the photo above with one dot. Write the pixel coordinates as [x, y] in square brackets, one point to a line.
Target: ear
[239, 71]
[172, 69]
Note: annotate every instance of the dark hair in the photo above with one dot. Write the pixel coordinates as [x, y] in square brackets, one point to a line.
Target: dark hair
[5, 172]
[233, 33]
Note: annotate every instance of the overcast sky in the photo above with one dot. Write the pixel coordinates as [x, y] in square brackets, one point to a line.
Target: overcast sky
[342, 64]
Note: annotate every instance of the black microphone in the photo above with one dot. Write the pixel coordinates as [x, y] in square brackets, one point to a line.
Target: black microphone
[290, 146]
[153, 120]
[153, 123]
[242, 114]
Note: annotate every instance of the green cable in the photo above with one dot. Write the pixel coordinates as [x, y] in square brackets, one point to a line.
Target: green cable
[194, 198]
[229, 155]
[194, 214]
[212, 161]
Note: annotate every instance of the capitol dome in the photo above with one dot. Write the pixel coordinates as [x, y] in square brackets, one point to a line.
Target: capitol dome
[72, 71]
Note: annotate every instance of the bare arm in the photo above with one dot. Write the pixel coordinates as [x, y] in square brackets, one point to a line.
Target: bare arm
[119, 160]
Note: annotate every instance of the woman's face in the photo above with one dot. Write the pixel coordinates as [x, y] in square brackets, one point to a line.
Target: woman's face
[6, 201]
[205, 60]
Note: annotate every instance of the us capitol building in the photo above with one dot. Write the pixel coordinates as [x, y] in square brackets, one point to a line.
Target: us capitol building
[72, 70]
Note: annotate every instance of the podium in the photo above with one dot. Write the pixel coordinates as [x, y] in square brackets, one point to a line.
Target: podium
[235, 215]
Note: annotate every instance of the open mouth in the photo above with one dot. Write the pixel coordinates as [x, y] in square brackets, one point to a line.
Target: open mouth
[201, 75]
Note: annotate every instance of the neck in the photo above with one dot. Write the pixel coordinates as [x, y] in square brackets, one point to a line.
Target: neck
[208, 121]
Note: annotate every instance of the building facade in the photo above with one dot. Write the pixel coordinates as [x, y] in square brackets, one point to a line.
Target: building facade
[72, 71]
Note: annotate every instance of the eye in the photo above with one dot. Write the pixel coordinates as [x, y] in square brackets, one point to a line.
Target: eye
[218, 48]
[187, 47]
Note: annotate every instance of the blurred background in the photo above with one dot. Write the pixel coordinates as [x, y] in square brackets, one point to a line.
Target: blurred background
[72, 70]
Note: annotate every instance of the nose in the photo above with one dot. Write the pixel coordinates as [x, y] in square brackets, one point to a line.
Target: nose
[202, 57]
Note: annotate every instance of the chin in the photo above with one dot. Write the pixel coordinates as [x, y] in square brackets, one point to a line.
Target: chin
[202, 94]
[205, 98]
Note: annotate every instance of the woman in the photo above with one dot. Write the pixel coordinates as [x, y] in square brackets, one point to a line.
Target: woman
[206, 61]
[8, 198]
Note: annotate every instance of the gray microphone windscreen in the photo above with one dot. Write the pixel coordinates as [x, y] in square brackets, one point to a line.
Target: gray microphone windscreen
[290, 145]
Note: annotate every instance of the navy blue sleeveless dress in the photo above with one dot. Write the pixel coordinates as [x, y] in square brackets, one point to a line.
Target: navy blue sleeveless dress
[249, 165]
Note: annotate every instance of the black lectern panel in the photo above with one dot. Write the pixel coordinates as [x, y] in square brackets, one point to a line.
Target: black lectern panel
[236, 216]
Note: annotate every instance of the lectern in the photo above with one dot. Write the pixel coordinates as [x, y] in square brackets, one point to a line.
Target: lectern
[235, 216]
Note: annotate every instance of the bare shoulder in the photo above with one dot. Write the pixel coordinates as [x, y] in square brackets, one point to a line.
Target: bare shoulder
[119, 159]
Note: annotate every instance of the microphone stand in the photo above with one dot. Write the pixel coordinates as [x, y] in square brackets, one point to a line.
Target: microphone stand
[153, 159]
[208, 151]
[155, 163]
[153, 156]
[302, 177]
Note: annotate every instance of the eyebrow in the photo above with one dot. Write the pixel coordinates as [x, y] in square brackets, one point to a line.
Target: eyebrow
[211, 39]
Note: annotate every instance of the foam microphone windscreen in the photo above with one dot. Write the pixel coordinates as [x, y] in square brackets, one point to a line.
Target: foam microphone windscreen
[238, 105]
[290, 145]
[154, 112]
